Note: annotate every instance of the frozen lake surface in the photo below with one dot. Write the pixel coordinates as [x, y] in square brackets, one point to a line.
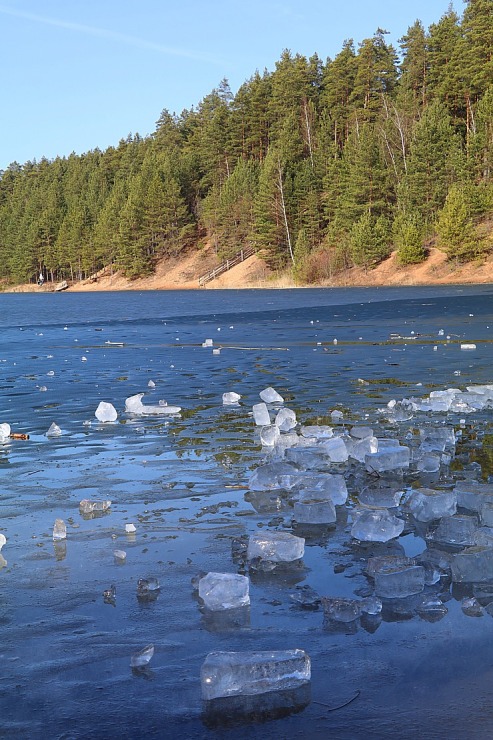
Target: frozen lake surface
[183, 482]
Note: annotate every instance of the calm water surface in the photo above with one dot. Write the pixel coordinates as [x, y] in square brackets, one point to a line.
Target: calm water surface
[182, 481]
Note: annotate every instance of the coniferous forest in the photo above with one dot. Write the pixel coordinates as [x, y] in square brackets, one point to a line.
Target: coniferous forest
[319, 165]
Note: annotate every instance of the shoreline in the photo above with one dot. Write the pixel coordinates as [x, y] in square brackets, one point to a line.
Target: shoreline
[253, 273]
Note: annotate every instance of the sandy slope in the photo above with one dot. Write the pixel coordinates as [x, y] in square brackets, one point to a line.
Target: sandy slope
[253, 273]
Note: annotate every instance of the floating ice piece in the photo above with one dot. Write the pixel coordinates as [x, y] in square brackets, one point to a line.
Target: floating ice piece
[261, 415]
[358, 432]
[474, 564]
[336, 415]
[324, 487]
[207, 343]
[120, 555]
[394, 581]
[425, 504]
[130, 528]
[231, 674]
[335, 449]
[4, 431]
[3, 540]
[308, 511]
[151, 384]
[148, 589]
[221, 591]
[59, 530]
[456, 530]
[285, 420]
[88, 507]
[380, 497]
[231, 398]
[270, 435]
[471, 607]
[394, 458]
[341, 610]
[216, 351]
[468, 346]
[134, 405]
[142, 657]
[54, 431]
[269, 395]
[472, 495]
[106, 412]
[359, 448]
[274, 475]
[275, 547]
[376, 525]
[318, 432]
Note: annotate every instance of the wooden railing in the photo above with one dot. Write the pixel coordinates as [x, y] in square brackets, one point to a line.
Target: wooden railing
[226, 265]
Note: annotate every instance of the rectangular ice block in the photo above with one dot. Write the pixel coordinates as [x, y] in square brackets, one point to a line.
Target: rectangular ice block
[231, 674]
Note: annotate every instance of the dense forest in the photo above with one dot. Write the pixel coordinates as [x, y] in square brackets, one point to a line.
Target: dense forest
[317, 165]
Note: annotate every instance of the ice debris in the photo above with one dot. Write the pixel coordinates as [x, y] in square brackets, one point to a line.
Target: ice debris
[142, 657]
[54, 431]
[269, 395]
[221, 591]
[231, 398]
[106, 412]
[134, 405]
[4, 431]
[228, 674]
[59, 530]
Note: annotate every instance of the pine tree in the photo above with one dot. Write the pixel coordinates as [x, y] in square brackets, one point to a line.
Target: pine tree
[455, 228]
[408, 239]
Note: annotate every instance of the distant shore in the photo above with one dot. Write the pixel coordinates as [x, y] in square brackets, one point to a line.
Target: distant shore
[183, 274]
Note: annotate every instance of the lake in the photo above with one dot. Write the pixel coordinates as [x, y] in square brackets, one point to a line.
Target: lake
[183, 482]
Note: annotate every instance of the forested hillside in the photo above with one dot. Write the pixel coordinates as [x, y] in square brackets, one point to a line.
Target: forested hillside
[318, 164]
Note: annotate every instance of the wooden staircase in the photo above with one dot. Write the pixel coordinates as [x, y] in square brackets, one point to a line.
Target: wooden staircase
[226, 265]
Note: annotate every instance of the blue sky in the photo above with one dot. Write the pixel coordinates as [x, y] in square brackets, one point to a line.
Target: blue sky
[81, 74]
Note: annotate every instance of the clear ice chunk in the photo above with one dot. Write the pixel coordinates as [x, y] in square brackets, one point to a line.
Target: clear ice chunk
[456, 530]
[142, 658]
[323, 487]
[341, 610]
[134, 405]
[59, 530]
[380, 496]
[486, 514]
[376, 525]
[270, 435]
[224, 591]
[394, 581]
[335, 449]
[231, 674]
[269, 395]
[285, 420]
[106, 412]
[54, 431]
[275, 547]
[3, 540]
[261, 415]
[426, 504]
[473, 565]
[359, 448]
[231, 398]
[394, 458]
[88, 507]
[358, 432]
[4, 431]
[471, 607]
[472, 495]
[274, 475]
[319, 432]
[307, 511]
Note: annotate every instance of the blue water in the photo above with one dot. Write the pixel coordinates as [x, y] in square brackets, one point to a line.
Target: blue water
[182, 481]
